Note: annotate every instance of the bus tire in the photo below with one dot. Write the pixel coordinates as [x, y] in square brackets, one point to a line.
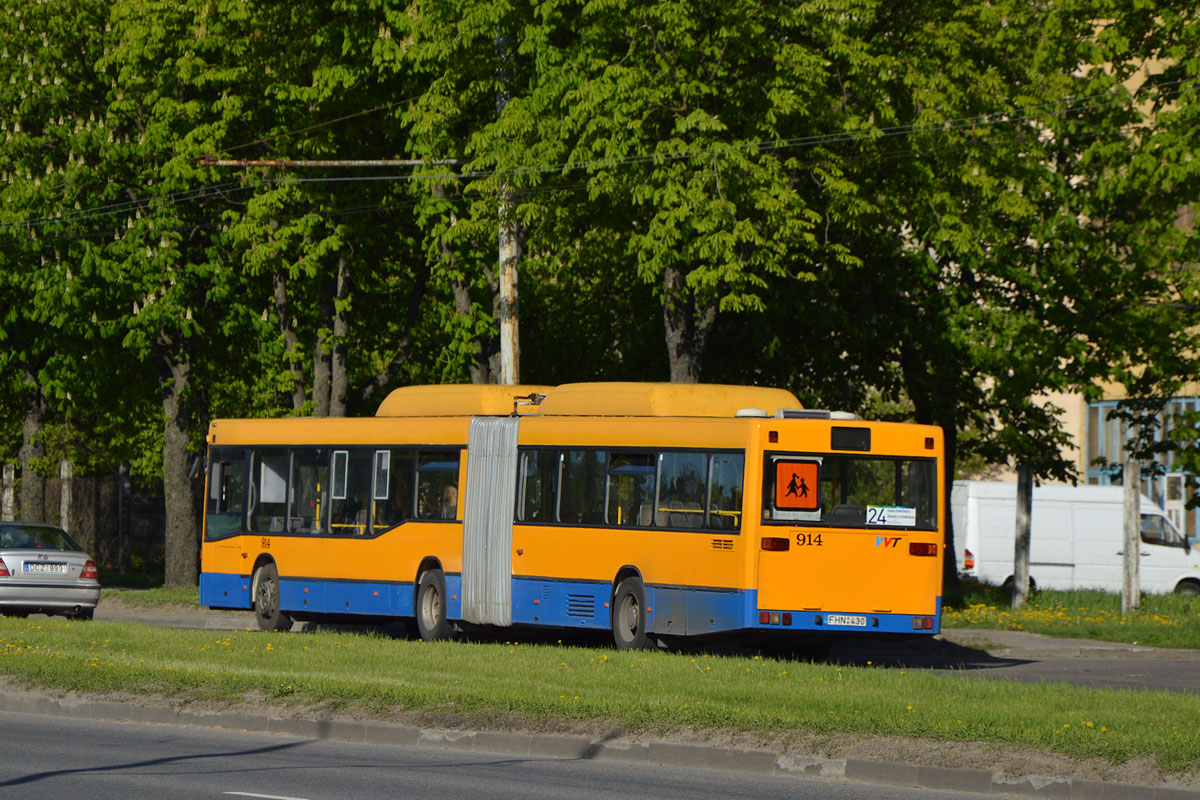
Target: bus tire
[629, 616]
[432, 623]
[267, 610]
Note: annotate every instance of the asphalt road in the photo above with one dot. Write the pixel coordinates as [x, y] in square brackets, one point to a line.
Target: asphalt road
[60, 757]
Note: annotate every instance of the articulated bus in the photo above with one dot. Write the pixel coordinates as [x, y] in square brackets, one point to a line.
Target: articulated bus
[647, 510]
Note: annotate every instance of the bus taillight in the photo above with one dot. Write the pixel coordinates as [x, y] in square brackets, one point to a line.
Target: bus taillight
[922, 549]
[775, 543]
[922, 623]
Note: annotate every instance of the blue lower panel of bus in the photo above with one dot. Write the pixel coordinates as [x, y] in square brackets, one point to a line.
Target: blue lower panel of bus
[299, 595]
[680, 611]
[578, 604]
[384, 599]
[222, 590]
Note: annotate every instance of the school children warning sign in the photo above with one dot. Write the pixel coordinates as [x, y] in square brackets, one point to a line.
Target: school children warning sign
[796, 485]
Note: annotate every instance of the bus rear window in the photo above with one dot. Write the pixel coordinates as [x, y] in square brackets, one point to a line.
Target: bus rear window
[850, 491]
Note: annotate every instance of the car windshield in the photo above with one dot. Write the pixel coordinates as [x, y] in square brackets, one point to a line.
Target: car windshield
[17, 537]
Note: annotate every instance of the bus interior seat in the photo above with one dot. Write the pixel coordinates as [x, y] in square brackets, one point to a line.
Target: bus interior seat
[645, 514]
[722, 522]
[692, 516]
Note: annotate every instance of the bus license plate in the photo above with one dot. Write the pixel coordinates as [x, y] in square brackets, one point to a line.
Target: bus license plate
[44, 567]
[849, 620]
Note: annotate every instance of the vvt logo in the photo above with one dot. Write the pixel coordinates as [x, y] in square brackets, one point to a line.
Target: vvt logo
[887, 541]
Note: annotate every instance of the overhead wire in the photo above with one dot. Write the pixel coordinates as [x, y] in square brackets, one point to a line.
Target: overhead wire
[1029, 114]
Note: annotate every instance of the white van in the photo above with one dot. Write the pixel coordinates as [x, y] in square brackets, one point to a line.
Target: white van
[1075, 542]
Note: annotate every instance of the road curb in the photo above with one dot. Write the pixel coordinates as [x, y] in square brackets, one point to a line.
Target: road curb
[761, 762]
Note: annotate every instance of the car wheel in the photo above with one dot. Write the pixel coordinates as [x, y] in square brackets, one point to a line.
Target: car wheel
[629, 616]
[432, 623]
[84, 614]
[266, 600]
[1188, 588]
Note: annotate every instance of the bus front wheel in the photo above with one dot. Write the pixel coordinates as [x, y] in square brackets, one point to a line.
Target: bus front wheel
[629, 616]
[266, 600]
[431, 606]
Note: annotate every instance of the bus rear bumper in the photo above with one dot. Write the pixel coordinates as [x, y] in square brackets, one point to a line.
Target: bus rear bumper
[811, 621]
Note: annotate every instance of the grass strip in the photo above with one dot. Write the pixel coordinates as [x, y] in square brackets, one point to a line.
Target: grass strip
[1164, 620]
[153, 597]
[649, 691]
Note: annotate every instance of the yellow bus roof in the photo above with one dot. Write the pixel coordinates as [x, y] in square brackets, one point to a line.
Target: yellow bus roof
[459, 399]
[662, 400]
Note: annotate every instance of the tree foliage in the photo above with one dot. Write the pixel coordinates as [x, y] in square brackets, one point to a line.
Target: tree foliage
[949, 211]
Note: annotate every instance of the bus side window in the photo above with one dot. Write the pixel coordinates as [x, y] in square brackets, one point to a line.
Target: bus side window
[682, 476]
[437, 479]
[348, 510]
[395, 477]
[268, 490]
[581, 493]
[630, 489]
[539, 470]
[725, 491]
[223, 508]
[310, 490]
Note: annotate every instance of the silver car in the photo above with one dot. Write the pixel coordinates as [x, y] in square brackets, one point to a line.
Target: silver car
[43, 570]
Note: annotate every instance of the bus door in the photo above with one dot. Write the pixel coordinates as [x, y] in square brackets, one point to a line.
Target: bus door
[488, 520]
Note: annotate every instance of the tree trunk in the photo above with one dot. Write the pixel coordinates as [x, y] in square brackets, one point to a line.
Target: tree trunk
[400, 357]
[688, 322]
[322, 350]
[935, 402]
[949, 556]
[182, 513]
[478, 367]
[33, 485]
[338, 378]
[290, 338]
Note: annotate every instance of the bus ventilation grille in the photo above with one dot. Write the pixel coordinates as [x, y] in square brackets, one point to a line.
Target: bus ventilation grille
[722, 544]
[581, 605]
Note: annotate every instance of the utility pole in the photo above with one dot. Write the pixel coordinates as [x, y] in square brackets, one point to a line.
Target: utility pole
[509, 240]
[1021, 550]
[1131, 591]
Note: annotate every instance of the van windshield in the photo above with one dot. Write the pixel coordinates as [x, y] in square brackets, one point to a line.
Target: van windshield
[1159, 530]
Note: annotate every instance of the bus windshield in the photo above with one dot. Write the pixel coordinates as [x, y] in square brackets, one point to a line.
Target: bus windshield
[850, 491]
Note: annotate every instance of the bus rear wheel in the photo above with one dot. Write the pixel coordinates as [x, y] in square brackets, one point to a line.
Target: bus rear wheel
[629, 616]
[266, 600]
[432, 623]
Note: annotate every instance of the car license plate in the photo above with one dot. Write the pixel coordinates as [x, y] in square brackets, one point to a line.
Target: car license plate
[849, 620]
[46, 567]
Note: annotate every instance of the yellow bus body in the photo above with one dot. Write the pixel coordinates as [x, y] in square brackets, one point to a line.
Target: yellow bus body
[764, 572]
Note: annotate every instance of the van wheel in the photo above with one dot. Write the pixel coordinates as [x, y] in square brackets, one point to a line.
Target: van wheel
[432, 623]
[267, 600]
[629, 616]
[1188, 588]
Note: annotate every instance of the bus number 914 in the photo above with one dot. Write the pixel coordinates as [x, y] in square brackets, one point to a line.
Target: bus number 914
[808, 540]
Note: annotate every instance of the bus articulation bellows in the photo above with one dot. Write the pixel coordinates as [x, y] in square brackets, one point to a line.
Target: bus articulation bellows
[651, 510]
